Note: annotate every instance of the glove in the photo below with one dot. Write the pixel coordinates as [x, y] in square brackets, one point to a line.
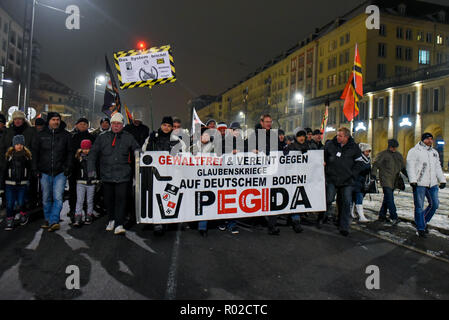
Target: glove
[67, 172]
[35, 174]
[304, 151]
[442, 185]
[286, 151]
[413, 185]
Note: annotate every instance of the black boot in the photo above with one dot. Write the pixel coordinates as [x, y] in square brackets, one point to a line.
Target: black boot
[273, 231]
[297, 227]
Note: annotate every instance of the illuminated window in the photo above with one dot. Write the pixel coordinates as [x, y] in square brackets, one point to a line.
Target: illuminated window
[439, 39]
[424, 57]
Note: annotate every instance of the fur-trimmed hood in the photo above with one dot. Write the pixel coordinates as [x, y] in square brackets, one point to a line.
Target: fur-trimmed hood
[25, 123]
[11, 150]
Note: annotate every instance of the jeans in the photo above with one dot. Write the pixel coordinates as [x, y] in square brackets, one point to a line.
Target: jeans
[344, 202]
[202, 226]
[357, 197]
[423, 217]
[84, 191]
[13, 194]
[52, 196]
[388, 203]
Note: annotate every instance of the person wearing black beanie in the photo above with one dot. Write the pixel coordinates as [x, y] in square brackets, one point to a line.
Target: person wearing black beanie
[426, 177]
[164, 140]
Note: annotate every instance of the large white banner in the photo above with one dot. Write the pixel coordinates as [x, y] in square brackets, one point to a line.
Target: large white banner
[187, 187]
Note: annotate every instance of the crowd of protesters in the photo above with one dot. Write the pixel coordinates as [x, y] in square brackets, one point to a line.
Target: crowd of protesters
[37, 162]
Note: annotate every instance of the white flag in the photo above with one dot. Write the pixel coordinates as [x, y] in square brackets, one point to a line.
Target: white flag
[195, 121]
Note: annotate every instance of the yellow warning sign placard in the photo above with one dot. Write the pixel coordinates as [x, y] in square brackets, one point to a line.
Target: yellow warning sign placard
[145, 68]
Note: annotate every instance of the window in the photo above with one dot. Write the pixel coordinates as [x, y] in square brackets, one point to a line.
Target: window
[424, 57]
[12, 38]
[399, 52]
[5, 28]
[342, 40]
[341, 59]
[383, 30]
[409, 34]
[440, 59]
[347, 56]
[398, 70]
[321, 67]
[420, 36]
[436, 98]
[309, 71]
[381, 108]
[399, 33]
[320, 84]
[381, 71]
[408, 104]
[11, 55]
[4, 44]
[348, 37]
[334, 80]
[429, 37]
[439, 39]
[425, 100]
[382, 50]
[408, 54]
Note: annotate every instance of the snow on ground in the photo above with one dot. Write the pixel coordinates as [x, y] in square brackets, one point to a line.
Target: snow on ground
[406, 209]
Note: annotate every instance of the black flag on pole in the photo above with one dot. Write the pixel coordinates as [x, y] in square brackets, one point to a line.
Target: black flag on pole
[112, 103]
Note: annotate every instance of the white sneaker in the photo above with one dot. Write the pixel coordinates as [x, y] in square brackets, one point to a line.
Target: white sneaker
[110, 226]
[362, 217]
[120, 230]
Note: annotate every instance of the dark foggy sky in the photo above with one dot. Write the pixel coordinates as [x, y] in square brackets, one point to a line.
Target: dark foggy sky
[215, 43]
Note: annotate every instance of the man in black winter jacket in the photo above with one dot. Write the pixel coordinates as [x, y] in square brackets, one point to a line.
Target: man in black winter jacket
[342, 158]
[163, 140]
[139, 131]
[52, 160]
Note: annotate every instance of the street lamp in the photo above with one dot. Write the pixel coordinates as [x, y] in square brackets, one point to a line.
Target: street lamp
[1, 91]
[98, 82]
[300, 99]
[243, 116]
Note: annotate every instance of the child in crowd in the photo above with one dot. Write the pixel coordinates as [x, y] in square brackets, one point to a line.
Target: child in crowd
[85, 186]
[17, 178]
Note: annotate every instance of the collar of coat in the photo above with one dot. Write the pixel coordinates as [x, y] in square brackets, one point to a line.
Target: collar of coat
[11, 151]
[423, 146]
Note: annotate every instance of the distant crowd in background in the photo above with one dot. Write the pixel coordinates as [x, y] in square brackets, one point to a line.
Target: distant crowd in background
[38, 163]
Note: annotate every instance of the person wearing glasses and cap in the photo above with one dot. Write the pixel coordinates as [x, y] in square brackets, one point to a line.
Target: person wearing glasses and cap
[426, 178]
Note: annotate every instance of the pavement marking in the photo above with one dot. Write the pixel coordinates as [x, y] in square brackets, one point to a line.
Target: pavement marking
[170, 293]
[36, 240]
[131, 235]
[401, 244]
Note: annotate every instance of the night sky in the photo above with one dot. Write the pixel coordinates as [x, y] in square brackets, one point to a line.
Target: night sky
[215, 43]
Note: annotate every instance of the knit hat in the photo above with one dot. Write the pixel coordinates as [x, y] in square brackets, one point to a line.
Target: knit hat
[105, 120]
[86, 144]
[18, 115]
[222, 125]
[39, 122]
[2, 119]
[426, 136]
[316, 132]
[18, 140]
[136, 115]
[52, 115]
[209, 122]
[235, 126]
[392, 143]
[365, 147]
[308, 130]
[281, 132]
[301, 133]
[83, 120]
[167, 120]
[118, 117]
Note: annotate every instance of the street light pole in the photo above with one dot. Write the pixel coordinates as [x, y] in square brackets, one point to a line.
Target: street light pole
[30, 59]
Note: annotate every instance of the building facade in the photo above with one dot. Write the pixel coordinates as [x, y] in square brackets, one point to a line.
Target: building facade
[405, 74]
